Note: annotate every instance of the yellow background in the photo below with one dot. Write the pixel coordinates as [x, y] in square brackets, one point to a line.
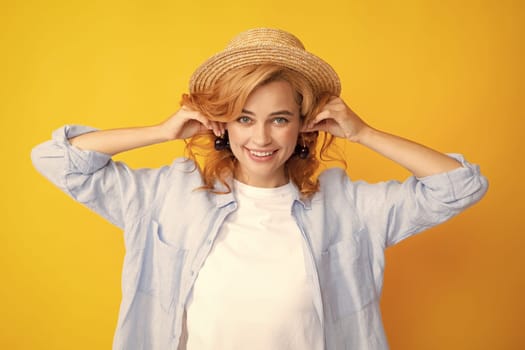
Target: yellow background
[445, 73]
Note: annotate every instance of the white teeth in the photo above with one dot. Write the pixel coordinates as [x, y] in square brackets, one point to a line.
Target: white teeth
[261, 154]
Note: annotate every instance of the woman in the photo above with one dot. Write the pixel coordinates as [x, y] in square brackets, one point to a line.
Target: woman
[253, 251]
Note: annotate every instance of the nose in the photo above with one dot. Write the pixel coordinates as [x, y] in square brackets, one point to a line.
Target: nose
[261, 135]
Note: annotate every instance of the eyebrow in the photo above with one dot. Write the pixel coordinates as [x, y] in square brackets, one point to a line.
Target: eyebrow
[281, 112]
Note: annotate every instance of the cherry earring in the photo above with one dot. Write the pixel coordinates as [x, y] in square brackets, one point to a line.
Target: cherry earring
[222, 143]
[302, 151]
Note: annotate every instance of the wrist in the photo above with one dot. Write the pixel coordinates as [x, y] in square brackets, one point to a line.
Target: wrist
[364, 135]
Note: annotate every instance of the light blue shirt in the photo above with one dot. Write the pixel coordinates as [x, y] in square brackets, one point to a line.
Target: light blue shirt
[169, 229]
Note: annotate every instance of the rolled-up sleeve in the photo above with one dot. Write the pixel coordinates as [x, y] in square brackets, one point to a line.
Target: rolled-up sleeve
[92, 178]
[395, 210]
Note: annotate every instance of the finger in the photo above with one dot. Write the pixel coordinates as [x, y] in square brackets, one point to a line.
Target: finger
[332, 101]
[321, 126]
[218, 128]
[326, 114]
[305, 127]
[318, 123]
[201, 129]
[201, 119]
[222, 128]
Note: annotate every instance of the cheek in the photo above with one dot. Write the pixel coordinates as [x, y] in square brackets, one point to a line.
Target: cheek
[235, 135]
[289, 137]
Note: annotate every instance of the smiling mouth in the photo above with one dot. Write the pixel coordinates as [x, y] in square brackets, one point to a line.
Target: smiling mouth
[261, 154]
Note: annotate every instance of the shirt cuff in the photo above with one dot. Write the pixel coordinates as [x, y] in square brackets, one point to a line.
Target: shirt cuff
[458, 183]
[83, 161]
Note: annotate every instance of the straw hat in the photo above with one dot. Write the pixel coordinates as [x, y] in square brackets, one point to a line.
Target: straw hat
[265, 45]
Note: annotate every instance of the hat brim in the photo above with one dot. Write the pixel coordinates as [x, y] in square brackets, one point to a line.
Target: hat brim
[319, 73]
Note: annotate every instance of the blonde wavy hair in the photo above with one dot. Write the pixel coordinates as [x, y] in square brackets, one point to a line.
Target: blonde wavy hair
[224, 102]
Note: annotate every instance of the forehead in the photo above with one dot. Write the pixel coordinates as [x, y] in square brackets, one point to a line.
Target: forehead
[276, 94]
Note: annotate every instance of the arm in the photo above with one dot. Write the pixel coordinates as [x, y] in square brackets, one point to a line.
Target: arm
[442, 185]
[418, 159]
[393, 210]
[78, 161]
[183, 124]
[339, 120]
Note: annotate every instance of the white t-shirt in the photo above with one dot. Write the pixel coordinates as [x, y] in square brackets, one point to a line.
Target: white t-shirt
[252, 291]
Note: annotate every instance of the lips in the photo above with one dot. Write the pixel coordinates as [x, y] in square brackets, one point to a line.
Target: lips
[261, 153]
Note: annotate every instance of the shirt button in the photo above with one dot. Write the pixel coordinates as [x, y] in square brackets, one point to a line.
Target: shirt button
[209, 241]
[192, 272]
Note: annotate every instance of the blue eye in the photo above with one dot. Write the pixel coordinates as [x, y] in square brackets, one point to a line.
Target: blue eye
[280, 120]
[244, 119]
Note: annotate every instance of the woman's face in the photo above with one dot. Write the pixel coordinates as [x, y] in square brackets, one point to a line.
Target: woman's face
[264, 136]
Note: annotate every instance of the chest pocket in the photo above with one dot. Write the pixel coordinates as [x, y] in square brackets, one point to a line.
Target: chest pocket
[162, 269]
[346, 278]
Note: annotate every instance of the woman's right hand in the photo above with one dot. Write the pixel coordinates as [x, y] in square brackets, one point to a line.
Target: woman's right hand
[186, 123]
[181, 125]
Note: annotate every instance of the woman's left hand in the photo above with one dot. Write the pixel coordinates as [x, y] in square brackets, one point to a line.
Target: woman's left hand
[339, 120]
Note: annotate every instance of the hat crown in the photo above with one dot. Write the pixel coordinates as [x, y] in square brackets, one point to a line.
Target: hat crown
[264, 37]
[266, 46]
